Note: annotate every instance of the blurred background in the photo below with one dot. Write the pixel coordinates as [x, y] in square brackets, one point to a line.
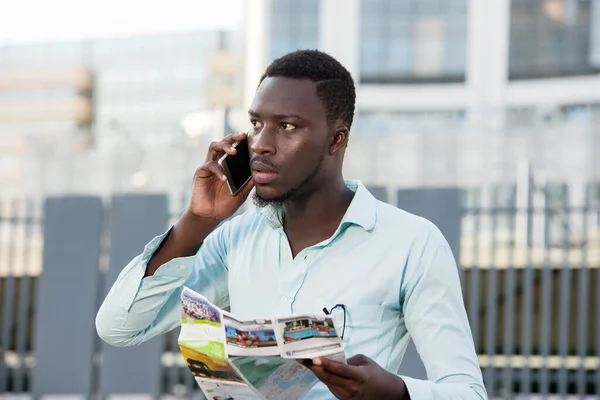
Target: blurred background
[483, 116]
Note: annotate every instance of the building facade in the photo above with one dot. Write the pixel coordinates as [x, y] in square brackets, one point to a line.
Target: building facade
[83, 116]
[462, 91]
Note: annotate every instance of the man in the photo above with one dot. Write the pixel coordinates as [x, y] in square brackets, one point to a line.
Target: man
[313, 241]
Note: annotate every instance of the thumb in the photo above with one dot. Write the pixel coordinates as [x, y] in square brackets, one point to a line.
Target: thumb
[359, 359]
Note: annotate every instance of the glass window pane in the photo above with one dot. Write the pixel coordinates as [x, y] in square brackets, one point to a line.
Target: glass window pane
[416, 40]
[552, 38]
[294, 25]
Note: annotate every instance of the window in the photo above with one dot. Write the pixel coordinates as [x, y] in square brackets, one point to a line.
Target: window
[553, 38]
[413, 41]
[294, 25]
[384, 124]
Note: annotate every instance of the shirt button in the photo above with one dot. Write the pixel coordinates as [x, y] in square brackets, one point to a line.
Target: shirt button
[181, 267]
[284, 299]
[285, 256]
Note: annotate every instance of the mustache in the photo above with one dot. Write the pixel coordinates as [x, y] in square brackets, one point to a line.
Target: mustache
[262, 160]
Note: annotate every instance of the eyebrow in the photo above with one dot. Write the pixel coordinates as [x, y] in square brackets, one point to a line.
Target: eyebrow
[276, 116]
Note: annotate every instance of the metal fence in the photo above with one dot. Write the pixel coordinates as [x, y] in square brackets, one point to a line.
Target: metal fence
[532, 287]
[20, 264]
[529, 266]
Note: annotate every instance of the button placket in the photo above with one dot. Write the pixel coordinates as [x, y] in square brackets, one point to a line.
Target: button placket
[304, 261]
[286, 273]
[292, 271]
[284, 248]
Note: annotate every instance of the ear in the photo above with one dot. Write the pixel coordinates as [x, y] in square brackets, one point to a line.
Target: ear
[339, 139]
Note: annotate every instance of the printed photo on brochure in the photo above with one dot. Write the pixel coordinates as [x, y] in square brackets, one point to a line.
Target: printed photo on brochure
[308, 336]
[254, 337]
[232, 358]
[206, 366]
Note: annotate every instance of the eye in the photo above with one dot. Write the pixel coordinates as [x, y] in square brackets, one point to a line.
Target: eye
[255, 123]
[287, 127]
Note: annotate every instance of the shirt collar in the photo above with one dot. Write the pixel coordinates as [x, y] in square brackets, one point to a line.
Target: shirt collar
[362, 210]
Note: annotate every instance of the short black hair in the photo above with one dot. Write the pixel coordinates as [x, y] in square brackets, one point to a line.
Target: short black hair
[335, 86]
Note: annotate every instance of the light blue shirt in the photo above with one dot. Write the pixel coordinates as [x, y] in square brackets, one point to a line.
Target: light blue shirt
[393, 271]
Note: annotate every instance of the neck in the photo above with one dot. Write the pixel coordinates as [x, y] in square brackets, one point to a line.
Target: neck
[319, 210]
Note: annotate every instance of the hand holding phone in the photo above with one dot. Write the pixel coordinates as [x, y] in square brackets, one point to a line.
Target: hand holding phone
[237, 166]
[224, 182]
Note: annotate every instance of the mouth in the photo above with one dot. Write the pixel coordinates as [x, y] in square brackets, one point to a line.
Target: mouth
[262, 174]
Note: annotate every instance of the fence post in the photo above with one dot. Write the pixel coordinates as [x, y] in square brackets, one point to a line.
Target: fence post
[66, 298]
[442, 207]
[135, 220]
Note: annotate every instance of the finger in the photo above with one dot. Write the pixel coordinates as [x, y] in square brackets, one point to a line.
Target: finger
[216, 169]
[359, 359]
[233, 137]
[344, 370]
[217, 149]
[329, 378]
[341, 388]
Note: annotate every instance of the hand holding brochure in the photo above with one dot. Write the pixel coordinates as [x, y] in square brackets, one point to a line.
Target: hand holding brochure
[235, 359]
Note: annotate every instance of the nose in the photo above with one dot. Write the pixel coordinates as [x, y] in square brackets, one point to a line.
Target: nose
[262, 141]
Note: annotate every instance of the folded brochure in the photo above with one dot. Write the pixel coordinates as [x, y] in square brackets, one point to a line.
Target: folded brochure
[233, 359]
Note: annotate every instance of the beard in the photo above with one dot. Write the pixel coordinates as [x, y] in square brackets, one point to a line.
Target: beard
[262, 202]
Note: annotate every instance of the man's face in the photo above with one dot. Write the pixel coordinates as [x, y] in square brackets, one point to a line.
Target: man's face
[289, 140]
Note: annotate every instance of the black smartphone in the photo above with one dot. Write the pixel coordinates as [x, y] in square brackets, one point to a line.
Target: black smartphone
[237, 166]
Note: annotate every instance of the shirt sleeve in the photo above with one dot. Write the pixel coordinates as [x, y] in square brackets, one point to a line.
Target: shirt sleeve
[137, 309]
[437, 321]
